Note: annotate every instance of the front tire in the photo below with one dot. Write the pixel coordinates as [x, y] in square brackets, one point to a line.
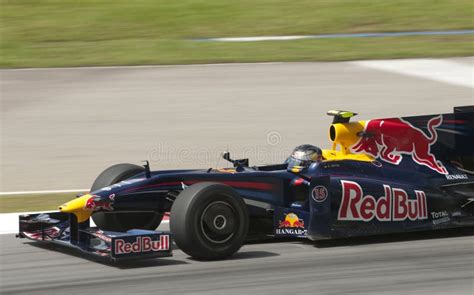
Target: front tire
[209, 221]
[118, 221]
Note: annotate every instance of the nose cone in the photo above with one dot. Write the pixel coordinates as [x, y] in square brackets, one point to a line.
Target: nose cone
[74, 205]
[78, 208]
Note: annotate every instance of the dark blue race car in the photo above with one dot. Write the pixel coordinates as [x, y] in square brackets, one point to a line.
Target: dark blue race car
[381, 176]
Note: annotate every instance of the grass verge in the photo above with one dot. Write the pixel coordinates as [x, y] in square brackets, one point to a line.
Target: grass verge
[53, 33]
[33, 202]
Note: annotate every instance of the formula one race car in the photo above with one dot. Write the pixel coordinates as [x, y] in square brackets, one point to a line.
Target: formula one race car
[381, 176]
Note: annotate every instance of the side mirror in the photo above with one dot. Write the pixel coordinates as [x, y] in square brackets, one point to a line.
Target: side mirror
[237, 163]
[147, 169]
[226, 156]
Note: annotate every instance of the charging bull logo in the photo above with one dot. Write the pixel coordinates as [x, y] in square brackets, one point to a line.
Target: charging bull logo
[96, 203]
[390, 139]
[291, 220]
[394, 205]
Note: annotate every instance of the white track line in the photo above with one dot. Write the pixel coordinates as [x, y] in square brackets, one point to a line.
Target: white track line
[43, 192]
[146, 66]
[260, 38]
[332, 36]
[432, 69]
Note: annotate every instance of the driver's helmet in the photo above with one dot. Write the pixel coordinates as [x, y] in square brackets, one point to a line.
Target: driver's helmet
[304, 155]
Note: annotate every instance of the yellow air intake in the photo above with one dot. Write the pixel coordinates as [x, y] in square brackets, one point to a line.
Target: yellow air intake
[345, 135]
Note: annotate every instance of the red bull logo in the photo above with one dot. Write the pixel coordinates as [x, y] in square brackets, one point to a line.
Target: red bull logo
[46, 234]
[390, 139]
[100, 235]
[393, 206]
[291, 225]
[96, 203]
[291, 220]
[142, 244]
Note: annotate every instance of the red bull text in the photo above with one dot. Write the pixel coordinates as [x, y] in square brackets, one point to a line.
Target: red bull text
[142, 244]
[393, 206]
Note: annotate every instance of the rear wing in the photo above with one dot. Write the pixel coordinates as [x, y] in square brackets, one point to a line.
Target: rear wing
[462, 147]
[429, 140]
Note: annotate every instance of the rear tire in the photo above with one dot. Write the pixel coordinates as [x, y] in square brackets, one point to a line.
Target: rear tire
[209, 221]
[123, 221]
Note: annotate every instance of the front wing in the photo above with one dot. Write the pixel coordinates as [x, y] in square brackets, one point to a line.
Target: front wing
[64, 230]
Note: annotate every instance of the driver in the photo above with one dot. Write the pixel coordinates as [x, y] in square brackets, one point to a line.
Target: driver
[304, 155]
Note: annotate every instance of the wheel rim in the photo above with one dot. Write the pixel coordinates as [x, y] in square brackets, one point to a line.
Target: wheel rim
[218, 222]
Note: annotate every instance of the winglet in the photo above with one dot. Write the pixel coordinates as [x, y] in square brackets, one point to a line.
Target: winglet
[341, 116]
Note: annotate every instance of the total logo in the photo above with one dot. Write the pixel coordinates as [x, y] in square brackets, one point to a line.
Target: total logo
[394, 205]
[142, 244]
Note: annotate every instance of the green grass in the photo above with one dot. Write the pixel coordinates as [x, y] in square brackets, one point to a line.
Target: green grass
[42, 33]
[34, 202]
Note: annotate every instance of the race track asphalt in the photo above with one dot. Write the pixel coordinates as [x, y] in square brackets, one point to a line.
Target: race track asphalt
[61, 127]
[427, 263]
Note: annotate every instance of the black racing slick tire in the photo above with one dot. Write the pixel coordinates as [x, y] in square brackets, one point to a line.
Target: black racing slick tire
[116, 221]
[209, 221]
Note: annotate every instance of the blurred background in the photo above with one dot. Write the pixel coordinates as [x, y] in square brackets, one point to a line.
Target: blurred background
[51, 33]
